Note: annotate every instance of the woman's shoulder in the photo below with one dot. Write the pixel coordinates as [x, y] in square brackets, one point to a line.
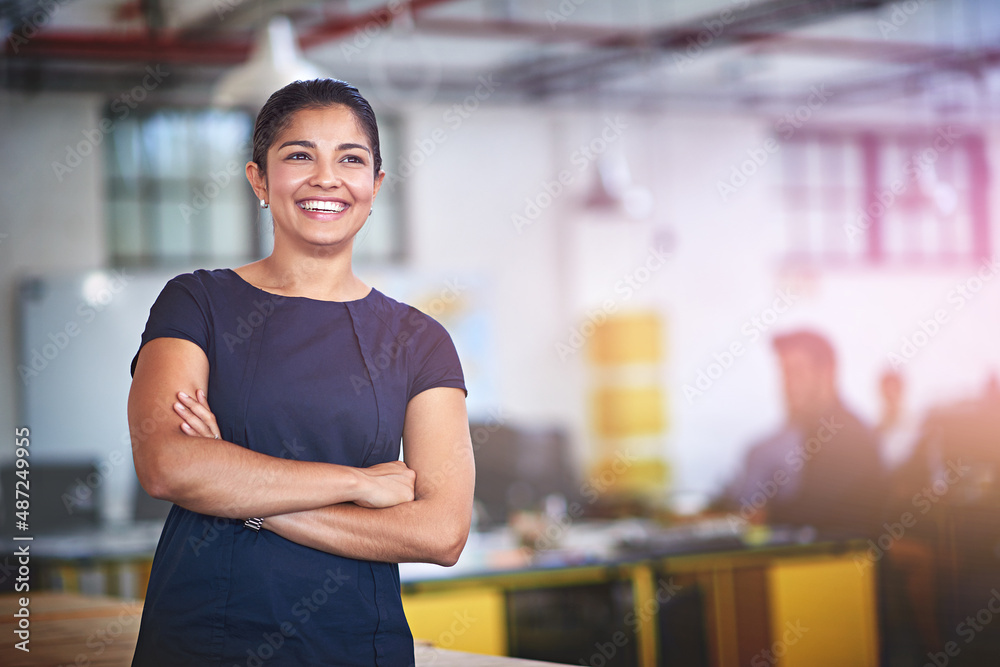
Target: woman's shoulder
[207, 281]
[402, 318]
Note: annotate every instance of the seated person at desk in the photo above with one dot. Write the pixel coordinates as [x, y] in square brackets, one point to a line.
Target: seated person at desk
[821, 467]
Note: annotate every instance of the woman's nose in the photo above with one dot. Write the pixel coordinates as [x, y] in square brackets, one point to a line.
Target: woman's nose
[325, 174]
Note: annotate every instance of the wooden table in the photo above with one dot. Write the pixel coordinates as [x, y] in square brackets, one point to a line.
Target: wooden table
[68, 629]
[83, 631]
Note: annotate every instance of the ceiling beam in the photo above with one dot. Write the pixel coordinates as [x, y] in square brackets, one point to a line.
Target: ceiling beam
[753, 23]
[102, 47]
[603, 37]
[175, 48]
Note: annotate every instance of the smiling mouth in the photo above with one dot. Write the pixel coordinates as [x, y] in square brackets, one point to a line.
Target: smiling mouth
[322, 206]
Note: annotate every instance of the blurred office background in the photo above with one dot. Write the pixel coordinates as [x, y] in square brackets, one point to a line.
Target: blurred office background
[613, 207]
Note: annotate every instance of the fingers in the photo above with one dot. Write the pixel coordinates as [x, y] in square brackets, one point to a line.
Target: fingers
[390, 484]
[389, 468]
[198, 419]
[192, 425]
[199, 408]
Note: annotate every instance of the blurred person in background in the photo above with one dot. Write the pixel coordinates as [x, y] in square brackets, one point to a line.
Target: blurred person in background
[821, 467]
[947, 558]
[908, 580]
[898, 429]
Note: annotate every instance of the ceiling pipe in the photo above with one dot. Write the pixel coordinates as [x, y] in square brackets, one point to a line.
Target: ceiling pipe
[856, 49]
[618, 44]
[171, 48]
[762, 18]
[132, 48]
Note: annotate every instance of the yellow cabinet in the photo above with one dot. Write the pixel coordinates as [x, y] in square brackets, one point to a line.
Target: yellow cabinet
[467, 619]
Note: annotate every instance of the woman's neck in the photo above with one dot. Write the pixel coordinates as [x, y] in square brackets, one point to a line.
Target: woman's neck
[321, 276]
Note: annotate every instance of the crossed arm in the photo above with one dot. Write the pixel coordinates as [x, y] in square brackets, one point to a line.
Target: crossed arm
[395, 512]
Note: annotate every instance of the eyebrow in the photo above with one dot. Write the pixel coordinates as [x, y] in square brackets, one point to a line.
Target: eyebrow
[305, 143]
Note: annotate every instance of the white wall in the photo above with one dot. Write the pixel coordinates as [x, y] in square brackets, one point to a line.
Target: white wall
[48, 225]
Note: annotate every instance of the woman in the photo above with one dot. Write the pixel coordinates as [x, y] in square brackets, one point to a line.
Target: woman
[292, 383]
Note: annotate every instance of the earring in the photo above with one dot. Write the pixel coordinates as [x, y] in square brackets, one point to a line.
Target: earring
[263, 204]
[370, 212]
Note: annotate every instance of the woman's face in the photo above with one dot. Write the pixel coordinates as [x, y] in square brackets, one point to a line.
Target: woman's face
[320, 183]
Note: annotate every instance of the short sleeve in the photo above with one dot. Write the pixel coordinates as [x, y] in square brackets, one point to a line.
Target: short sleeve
[436, 363]
[180, 311]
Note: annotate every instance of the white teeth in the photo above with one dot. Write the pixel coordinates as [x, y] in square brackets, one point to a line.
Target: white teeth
[324, 206]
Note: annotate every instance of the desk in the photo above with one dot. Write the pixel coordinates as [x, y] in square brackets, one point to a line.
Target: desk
[734, 604]
[808, 605]
[68, 629]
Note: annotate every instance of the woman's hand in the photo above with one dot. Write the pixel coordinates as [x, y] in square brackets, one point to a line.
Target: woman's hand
[198, 418]
[386, 484]
[382, 485]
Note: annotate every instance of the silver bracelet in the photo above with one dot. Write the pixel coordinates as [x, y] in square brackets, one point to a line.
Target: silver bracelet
[254, 524]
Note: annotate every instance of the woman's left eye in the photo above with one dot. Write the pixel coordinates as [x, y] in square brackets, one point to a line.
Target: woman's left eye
[353, 158]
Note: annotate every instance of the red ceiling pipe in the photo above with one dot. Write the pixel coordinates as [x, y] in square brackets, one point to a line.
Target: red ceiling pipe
[143, 48]
[73, 45]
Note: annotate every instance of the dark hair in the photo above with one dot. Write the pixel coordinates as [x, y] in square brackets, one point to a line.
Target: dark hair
[277, 112]
[814, 344]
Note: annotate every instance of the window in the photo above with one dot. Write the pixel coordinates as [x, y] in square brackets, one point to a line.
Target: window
[176, 190]
[900, 197]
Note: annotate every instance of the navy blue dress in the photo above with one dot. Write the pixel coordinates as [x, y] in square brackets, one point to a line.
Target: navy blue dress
[297, 378]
